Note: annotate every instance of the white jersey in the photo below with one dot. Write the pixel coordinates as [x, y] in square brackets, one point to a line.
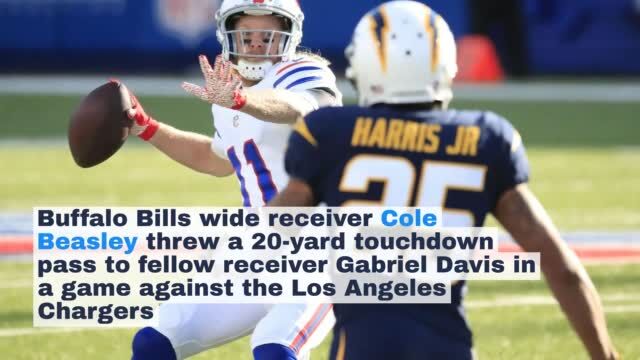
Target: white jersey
[255, 147]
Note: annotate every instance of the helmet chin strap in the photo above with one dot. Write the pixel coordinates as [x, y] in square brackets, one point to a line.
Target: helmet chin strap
[253, 70]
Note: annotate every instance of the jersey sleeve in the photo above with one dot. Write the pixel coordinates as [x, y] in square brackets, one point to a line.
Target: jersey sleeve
[304, 158]
[512, 165]
[317, 99]
[306, 74]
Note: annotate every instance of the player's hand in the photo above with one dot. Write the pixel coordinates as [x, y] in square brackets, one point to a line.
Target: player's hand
[143, 126]
[223, 86]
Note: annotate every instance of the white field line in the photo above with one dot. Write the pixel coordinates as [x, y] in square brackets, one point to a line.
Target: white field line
[170, 86]
[610, 261]
[16, 284]
[477, 304]
[622, 309]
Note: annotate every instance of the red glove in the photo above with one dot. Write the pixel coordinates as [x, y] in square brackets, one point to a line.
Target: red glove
[144, 126]
[223, 86]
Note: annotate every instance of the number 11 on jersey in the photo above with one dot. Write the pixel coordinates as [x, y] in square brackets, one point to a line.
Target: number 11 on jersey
[263, 174]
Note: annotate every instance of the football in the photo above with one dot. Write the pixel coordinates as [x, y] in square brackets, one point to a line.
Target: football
[99, 125]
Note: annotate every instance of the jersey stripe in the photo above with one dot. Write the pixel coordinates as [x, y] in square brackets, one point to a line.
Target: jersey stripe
[290, 65]
[302, 129]
[294, 71]
[303, 80]
[342, 345]
[310, 327]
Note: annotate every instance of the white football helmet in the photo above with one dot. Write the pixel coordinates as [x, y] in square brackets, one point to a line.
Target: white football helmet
[288, 40]
[402, 52]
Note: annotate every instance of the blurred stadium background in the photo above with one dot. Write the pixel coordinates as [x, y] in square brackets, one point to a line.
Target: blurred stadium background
[566, 73]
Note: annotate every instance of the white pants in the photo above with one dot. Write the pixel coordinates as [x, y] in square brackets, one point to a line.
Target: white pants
[194, 328]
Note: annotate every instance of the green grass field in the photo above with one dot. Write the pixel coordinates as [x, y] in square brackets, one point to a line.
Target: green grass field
[584, 159]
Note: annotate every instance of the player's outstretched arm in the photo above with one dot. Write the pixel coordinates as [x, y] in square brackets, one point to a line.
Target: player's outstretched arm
[277, 105]
[223, 87]
[522, 215]
[189, 149]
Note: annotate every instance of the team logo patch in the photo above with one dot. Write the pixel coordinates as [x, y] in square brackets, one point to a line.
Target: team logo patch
[189, 20]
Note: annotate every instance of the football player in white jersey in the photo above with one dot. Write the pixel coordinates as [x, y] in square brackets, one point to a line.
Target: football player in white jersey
[258, 88]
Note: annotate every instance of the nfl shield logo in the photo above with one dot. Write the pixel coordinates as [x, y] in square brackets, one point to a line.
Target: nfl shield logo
[188, 20]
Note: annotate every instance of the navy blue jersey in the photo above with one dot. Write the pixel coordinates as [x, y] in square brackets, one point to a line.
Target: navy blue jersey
[462, 161]
[394, 336]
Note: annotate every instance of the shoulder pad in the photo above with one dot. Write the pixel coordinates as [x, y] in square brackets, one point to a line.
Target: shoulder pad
[304, 73]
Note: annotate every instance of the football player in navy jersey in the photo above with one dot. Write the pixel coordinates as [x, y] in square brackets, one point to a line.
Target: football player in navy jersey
[403, 147]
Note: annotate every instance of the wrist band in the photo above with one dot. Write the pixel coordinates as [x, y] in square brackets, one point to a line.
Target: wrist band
[150, 130]
[239, 100]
